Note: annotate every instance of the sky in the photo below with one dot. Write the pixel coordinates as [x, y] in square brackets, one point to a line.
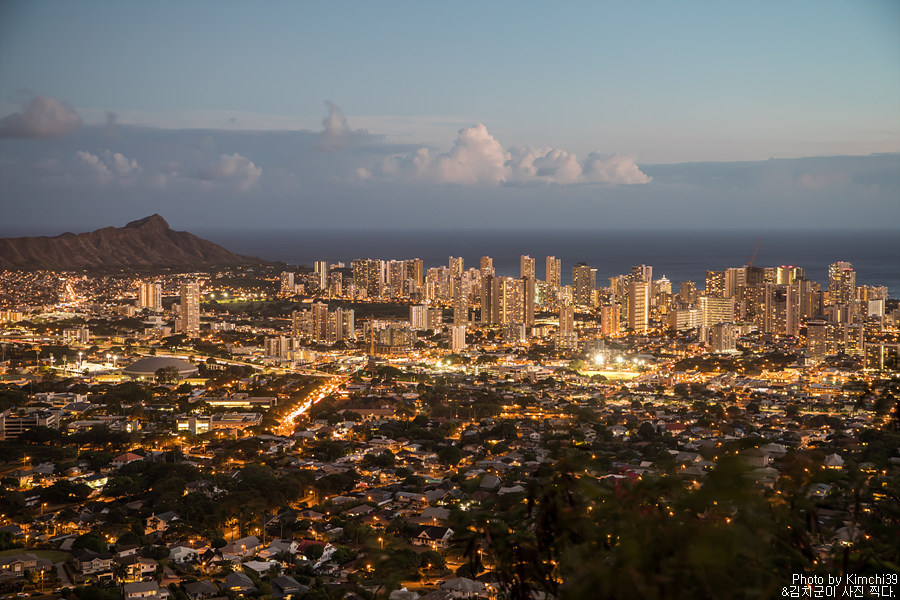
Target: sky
[296, 115]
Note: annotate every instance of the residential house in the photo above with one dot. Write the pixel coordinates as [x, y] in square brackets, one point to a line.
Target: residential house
[287, 588]
[144, 589]
[123, 459]
[434, 537]
[159, 522]
[90, 563]
[201, 590]
[238, 582]
[245, 546]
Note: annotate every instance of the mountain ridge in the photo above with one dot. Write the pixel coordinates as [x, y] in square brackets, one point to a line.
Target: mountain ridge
[142, 243]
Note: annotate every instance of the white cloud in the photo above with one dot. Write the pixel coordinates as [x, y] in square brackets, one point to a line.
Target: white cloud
[108, 166]
[335, 131]
[42, 117]
[477, 158]
[94, 166]
[234, 167]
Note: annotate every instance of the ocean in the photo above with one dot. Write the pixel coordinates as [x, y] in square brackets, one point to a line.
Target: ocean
[679, 255]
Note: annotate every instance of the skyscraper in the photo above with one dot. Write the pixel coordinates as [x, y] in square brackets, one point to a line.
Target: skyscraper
[841, 283]
[554, 272]
[487, 266]
[566, 338]
[321, 269]
[715, 284]
[584, 282]
[190, 308]
[460, 303]
[457, 338]
[487, 298]
[528, 301]
[287, 282]
[150, 295]
[397, 271]
[526, 266]
[610, 318]
[638, 306]
[456, 266]
[418, 317]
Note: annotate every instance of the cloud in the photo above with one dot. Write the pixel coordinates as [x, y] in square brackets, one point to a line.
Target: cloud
[336, 133]
[93, 165]
[41, 117]
[477, 158]
[823, 180]
[108, 166]
[235, 167]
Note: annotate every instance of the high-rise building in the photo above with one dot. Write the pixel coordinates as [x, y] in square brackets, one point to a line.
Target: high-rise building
[415, 272]
[436, 319]
[418, 317]
[150, 295]
[841, 283]
[780, 309]
[716, 310]
[642, 273]
[460, 303]
[638, 306]
[687, 292]
[723, 337]
[487, 266]
[526, 266]
[287, 283]
[566, 337]
[610, 319]
[554, 272]
[684, 319]
[457, 338]
[335, 283]
[715, 284]
[368, 275]
[487, 299]
[320, 267]
[190, 308]
[735, 277]
[786, 275]
[456, 266]
[816, 340]
[584, 282]
[663, 285]
[528, 301]
[397, 271]
[508, 300]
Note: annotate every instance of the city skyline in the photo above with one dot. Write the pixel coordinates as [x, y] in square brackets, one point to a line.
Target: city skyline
[614, 115]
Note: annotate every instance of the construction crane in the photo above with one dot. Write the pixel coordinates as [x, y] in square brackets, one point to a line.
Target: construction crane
[753, 257]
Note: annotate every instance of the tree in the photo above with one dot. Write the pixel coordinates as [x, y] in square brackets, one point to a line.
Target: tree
[92, 541]
[165, 375]
[313, 551]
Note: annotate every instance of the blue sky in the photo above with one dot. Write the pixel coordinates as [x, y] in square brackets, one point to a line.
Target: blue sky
[152, 105]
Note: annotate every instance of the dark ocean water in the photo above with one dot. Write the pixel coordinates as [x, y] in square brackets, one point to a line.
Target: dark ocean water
[680, 256]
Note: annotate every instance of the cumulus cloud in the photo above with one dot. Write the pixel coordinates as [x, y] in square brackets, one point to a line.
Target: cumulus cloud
[108, 166]
[477, 158]
[336, 133]
[236, 168]
[94, 166]
[41, 117]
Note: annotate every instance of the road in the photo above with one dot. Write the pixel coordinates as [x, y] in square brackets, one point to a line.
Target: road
[287, 425]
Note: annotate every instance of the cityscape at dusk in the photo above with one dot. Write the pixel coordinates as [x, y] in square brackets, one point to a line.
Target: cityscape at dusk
[425, 301]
